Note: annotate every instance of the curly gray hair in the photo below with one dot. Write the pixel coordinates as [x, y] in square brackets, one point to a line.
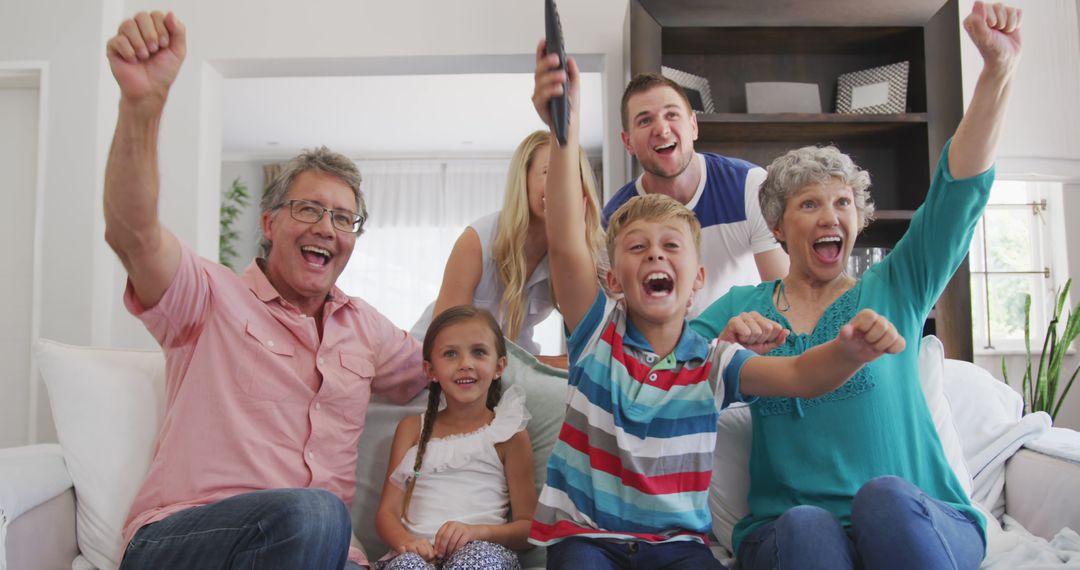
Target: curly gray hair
[798, 168]
[320, 159]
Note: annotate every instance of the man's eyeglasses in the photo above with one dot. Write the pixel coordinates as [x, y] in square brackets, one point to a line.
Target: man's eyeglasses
[311, 213]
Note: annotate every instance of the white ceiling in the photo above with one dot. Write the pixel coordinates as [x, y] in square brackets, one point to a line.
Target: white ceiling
[391, 116]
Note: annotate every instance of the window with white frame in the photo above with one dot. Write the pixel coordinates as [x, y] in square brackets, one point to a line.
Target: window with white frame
[1013, 255]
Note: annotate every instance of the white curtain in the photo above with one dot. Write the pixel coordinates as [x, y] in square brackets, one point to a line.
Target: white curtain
[473, 188]
[416, 211]
[413, 222]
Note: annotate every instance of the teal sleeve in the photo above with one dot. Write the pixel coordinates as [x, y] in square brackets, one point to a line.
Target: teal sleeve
[713, 320]
[938, 238]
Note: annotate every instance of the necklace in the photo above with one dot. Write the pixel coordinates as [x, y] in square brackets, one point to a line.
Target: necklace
[784, 305]
[781, 294]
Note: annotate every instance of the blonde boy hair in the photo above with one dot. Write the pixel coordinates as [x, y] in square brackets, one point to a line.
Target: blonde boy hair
[651, 208]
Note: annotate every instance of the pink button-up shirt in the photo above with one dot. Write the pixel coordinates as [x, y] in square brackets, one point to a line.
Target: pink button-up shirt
[254, 398]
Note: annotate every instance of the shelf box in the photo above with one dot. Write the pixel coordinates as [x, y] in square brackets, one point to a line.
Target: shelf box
[731, 57]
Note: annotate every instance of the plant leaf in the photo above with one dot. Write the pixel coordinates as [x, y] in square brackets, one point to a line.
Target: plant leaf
[1064, 393]
[233, 200]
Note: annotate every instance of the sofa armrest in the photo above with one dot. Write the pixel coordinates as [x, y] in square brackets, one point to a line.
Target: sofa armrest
[44, 536]
[1042, 483]
[29, 476]
[36, 499]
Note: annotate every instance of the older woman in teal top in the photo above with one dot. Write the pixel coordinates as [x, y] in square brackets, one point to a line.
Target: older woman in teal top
[857, 478]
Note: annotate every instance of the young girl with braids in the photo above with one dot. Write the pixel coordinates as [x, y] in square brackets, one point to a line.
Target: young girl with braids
[459, 491]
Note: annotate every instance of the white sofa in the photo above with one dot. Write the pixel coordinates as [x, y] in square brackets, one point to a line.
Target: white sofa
[61, 506]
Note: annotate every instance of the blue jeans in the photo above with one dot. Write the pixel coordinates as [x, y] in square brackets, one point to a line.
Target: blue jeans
[893, 525]
[596, 554]
[279, 528]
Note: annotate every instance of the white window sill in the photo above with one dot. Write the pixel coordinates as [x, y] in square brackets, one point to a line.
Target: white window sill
[1011, 351]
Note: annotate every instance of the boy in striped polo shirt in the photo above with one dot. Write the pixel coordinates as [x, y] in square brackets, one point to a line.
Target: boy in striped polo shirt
[628, 479]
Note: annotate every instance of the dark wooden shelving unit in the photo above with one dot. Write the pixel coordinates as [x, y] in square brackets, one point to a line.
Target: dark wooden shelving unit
[760, 127]
[732, 43]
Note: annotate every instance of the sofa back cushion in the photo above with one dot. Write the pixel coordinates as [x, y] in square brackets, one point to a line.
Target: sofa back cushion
[108, 406]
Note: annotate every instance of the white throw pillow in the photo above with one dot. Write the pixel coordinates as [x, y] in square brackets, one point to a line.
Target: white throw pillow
[730, 483]
[932, 375]
[988, 414]
[108, 406]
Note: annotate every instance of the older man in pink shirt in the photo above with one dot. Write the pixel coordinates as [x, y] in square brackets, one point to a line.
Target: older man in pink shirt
[269, 374]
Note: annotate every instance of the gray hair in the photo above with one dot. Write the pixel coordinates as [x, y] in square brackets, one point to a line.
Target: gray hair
[320, 159]
[801, 167]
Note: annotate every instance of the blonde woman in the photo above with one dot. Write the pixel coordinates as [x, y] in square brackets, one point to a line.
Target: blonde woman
[500, 261]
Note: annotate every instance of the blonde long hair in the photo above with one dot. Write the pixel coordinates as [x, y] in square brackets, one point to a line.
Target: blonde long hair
[508, 250]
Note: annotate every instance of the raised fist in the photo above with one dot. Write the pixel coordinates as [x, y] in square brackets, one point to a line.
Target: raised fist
[145, 56]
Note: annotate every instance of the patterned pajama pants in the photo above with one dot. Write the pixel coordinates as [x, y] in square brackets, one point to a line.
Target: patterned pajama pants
[475, 555]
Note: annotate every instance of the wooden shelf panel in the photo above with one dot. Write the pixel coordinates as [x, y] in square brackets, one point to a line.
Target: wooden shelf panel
[882, 232]
[787, 13]
[789, 40]
[893, 215]
[809, 128]
[803, 118]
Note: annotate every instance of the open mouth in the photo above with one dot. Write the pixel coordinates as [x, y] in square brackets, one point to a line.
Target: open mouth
[665, 149]
[316, 255]
[828, 248]
[465, 381]
[658, 284]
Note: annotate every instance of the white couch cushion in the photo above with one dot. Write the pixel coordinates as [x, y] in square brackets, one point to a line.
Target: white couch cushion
[730, 483]
[30, 476]
[731, 459]
[989, 417]
[932, 375]
[108, 406]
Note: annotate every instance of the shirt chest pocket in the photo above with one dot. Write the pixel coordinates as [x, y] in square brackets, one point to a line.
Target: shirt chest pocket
[269, 371]
[357, 372]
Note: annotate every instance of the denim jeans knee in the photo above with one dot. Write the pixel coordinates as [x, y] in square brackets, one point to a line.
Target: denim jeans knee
[897, 525]
[803, 537]
[280, 528]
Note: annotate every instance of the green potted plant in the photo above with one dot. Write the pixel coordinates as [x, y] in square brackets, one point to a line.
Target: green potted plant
[233, 200]
[1040, 391]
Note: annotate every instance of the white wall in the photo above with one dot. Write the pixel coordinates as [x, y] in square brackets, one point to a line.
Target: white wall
[240, 37]
[1042, 129]
[81, 280]
[66, 36]
[1042, 137]
[18, 162]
